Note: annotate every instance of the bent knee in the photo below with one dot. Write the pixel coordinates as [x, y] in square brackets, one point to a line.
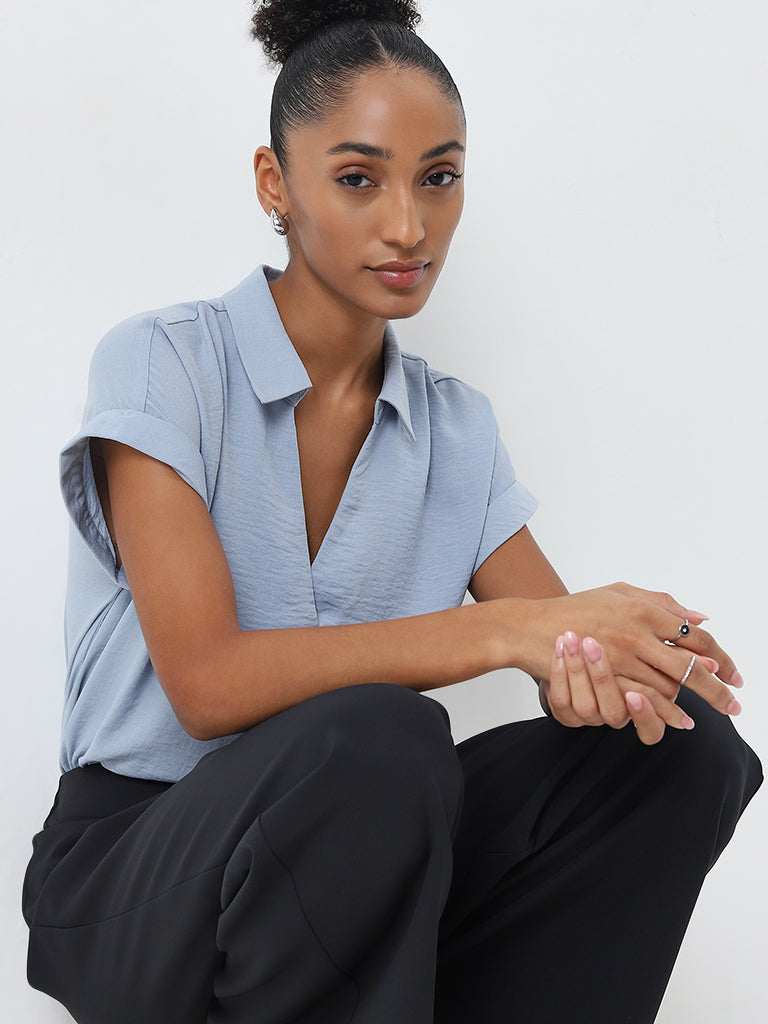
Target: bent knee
[388, 747]
[380, 711]
[382, 736]
[719, 759]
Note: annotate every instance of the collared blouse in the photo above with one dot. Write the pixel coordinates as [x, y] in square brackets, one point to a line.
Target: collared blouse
[210, 389]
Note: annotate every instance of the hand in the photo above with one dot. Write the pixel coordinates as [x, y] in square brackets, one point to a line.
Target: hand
[637, 631]
[582, 690]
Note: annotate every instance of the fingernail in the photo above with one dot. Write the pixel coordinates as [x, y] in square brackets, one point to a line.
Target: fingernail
[592, 649]
[710, 665]
[559, 648]
[634, 701]
[734, 708]
[692, 614]
[571, 642]
[737, 679]
[687, 722]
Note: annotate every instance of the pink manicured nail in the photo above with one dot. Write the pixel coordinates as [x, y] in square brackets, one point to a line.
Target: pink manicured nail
[687, 722]
[737, 679]
[734, 708]
[571, 642]
[634, 701]
[559, 647]
[697, 615]
[710, 665]
[592, 649]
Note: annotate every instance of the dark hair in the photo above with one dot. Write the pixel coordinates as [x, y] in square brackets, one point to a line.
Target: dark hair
[324, 47]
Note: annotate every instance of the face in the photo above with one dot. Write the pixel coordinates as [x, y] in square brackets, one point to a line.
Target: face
[373, 193]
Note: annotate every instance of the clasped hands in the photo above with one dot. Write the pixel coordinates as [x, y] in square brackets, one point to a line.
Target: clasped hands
[630, 666]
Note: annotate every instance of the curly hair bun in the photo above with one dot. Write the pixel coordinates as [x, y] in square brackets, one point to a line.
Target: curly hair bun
[280, 25]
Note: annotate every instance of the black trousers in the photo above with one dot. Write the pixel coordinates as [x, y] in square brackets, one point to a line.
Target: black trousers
[343, 862]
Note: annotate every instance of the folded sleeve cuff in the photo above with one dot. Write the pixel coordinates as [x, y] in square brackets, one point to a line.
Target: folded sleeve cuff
[507, 513]
[149, 434]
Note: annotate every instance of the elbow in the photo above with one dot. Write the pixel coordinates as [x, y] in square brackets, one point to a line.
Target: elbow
[203, 721]
[203, 683]
[198, 726]
[202, 711]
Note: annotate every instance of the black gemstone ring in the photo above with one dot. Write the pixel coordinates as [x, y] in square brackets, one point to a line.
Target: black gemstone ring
[684, 630]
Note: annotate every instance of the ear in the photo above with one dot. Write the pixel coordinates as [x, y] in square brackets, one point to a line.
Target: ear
[269, 181]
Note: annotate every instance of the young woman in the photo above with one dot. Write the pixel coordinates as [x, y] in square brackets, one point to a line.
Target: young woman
[261, 816]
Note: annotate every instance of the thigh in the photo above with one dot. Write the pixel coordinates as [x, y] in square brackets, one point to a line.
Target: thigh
[580, 851]
[140, 894]
[123, 894]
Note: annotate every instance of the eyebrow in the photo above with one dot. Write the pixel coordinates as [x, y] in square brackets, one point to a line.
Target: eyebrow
[364, 149]
[378, 153]
[446, 147]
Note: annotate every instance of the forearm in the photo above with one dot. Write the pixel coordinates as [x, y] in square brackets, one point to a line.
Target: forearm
[236, 679]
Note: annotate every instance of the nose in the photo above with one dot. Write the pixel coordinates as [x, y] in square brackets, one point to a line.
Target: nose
[403, 222]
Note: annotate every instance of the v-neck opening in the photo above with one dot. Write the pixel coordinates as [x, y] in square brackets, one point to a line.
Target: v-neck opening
[339, 510]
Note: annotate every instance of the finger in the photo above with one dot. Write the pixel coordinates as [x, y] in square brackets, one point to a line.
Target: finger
[559, 695]
[699, 641]
[651, 678]
[696, 617]
[678, 663]
[610, 702]
[668, 687]
[662, 600]
[650, 724]
[650, 728]
[698, 678]
[666, 710]
[583, 699]
[673, 657]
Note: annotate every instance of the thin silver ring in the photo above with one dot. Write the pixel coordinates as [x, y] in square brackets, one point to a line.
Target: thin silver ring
[684, 629]
[688, 670]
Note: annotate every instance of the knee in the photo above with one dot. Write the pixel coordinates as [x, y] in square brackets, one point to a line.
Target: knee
[379, 743]
[717, 757]
[393, 733]
[717, 772]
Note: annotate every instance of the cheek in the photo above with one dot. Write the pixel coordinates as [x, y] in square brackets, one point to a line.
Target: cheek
[325, 231]
[445, 221]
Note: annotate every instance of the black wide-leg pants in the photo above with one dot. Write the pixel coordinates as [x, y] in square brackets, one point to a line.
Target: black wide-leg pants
[343, 862]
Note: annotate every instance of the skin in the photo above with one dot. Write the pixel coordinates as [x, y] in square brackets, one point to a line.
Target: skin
[352, 209]
[348, 212]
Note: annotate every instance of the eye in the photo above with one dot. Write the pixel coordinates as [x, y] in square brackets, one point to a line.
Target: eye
[355, 180]
[439, 179]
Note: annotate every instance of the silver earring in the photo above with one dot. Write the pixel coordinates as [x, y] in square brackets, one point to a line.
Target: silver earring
[280, 226]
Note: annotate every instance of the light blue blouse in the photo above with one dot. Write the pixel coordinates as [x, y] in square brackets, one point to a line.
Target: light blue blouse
[210, 389]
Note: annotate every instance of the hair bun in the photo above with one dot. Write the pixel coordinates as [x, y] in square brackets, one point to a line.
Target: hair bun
[280, 25]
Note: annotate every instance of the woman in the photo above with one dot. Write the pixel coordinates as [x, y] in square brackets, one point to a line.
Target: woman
[261, 816]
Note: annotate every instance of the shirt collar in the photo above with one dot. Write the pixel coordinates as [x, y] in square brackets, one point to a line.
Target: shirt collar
[273, 364]
[394, 390]
[270, 360]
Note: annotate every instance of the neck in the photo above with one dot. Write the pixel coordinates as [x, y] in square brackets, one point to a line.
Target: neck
[340, 345]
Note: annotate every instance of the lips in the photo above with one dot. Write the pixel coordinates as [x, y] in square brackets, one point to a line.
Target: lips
[400, 273]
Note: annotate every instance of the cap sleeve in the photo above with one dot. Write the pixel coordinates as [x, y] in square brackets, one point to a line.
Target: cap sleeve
[510, 505]
[139, 393]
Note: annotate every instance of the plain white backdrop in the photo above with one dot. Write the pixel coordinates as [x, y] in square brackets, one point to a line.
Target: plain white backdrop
[606, 288]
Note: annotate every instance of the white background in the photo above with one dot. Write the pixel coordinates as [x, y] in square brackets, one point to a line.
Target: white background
[607, 288]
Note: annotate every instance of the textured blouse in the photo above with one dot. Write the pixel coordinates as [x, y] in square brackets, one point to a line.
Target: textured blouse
[210, 388]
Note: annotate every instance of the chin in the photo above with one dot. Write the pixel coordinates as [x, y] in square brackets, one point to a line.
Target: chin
[401, 304]
[404, 311]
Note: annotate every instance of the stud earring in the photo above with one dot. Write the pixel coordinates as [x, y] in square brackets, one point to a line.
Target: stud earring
[280, 226]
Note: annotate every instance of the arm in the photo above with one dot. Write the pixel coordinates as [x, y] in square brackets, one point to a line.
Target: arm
[222, 679]
[518, 568]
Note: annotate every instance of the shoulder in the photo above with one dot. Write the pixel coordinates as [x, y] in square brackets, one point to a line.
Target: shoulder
[449, 398]
[183, 322]
[176, 340]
